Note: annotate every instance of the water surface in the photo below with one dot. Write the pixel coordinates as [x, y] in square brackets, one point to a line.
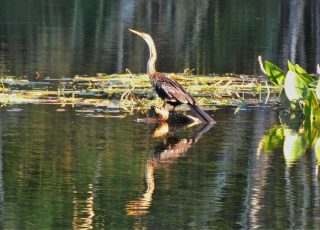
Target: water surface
[68, 169]
[65, 38]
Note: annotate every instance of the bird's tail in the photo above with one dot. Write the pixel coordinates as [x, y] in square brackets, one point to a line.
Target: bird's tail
[202, 115]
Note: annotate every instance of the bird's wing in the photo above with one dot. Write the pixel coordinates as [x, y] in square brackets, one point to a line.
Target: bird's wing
[173, 90]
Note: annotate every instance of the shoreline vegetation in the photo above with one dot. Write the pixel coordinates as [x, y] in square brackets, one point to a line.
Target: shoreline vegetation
[134, 91]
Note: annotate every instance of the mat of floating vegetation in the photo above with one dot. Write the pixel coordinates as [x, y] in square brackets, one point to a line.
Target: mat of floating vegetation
[135, 91]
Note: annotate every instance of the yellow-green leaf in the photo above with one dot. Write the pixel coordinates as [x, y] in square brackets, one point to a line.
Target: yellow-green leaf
[295, 87]
[275, 74]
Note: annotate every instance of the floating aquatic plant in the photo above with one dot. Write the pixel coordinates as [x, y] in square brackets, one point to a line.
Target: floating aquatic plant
[127, 90]
[301, 89]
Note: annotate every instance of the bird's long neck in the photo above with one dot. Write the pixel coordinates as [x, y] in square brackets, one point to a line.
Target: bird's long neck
[153, 57]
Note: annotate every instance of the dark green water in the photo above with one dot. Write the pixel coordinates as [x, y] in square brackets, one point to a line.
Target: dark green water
[67, 170]
[63, 38]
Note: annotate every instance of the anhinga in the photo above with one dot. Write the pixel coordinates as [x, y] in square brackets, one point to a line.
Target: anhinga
[169, 90]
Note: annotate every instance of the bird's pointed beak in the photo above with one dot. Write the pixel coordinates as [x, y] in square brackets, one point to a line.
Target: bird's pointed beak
[136, 32]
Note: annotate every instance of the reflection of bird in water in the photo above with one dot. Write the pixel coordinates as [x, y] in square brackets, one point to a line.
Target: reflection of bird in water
[170, 91]
[174, 147]
[140, 206]
[166, 153]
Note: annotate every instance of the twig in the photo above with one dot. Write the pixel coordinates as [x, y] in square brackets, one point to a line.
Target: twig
[268, 95]
[131, 75]
[218, 83]
[261, 65]
[128, 92]
[228, 83]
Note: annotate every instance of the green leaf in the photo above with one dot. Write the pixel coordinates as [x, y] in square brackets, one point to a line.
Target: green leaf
[311, 118]
[307, 78]
[291, 66]
[314, 84]
[318, 90]
[295, 87]
[299, 69]
[301, 72]
[314, 106]
[275, 74]
[311, 108]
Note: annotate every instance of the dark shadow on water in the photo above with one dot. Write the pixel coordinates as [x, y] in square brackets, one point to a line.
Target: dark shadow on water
[170, 149]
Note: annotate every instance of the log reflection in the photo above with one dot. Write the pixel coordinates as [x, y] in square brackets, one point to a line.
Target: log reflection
[167, 152]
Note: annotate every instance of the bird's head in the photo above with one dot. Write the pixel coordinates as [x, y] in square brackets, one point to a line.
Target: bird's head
[152, 48]
[145, 36]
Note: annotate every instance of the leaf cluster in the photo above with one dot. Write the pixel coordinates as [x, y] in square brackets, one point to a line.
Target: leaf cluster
[299, 87]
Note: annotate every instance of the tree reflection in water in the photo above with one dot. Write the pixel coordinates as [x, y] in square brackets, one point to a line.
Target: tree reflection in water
[166, 152]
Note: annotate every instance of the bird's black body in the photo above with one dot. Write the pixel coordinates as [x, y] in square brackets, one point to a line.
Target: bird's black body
[169, 90]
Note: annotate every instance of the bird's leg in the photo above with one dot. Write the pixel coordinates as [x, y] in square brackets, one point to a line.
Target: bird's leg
[168, 107]
[162, 113]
